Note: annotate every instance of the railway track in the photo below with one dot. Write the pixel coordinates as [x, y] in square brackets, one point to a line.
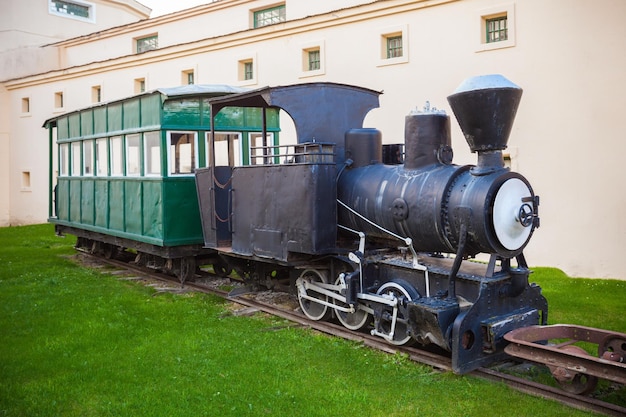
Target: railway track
[436, 361]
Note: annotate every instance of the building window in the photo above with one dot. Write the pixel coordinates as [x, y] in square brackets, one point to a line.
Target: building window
[187, 77]
[394, 46]
[25, 180]
[58, 100]
[496, 29]
[247, 71]
[25, 105]
[269, 16]
[140, 85]
[147, 43]
[74, 9]
[96, 94]
[314, 59]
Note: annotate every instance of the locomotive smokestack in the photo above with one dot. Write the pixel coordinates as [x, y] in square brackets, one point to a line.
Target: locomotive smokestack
[485, 107]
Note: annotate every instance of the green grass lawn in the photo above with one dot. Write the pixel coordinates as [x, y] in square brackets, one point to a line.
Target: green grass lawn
[76, 341]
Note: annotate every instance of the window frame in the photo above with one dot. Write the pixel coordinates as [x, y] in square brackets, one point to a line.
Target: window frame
[252, 138]
[391, 33]
[127, 159]
[101, 169]
[188, 75]
[88, 151]
[25, 106]
[76, 163]
[259, 22]
[59, 101]
[195, 160]
[91, 10]
[114, 169]
[147, 46]
[237, 151]
[64, 159]
[148, 158]
[484, 15]
[242, 63]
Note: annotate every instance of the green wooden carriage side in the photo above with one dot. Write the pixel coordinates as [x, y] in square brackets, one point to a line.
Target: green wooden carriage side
[160, 210]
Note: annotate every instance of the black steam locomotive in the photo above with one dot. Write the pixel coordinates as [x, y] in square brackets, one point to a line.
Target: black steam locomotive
[376, 237]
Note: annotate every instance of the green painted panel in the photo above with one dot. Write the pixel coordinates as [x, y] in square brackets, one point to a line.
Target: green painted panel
[183, 111]
[116, 204]
[62, 128]
[62, 199]
[273, 118]
[114, 121]
[131, 114]
[231, 117]
[132, 207]
[74, 121]
[205, 113]
[181, 218]
[101, 198]
[151, 110]
[86, 123]
[75, 196]
[152, 210]
[248, 118]
[100, 119]
[87, 201]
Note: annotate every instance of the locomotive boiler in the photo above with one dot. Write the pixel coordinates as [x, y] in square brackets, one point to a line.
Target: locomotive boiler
[384, 245]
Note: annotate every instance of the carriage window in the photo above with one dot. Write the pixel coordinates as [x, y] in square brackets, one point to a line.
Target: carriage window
[116, 156]
[133, 155]
[182, 153]
[88, 157]
[101, 157]
[258, 148]
[227, 148]
[152, 149]
[75, 158]
[64, 159]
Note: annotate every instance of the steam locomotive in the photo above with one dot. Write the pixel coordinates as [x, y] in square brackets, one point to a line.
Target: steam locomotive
[361, 232]
[377, 242]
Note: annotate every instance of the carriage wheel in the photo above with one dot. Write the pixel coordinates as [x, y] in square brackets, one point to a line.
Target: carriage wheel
[186, 269]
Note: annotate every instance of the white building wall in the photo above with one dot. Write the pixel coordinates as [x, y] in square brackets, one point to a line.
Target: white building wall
[566, 138]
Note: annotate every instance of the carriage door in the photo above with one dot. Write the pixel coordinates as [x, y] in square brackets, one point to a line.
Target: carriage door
[227, 156]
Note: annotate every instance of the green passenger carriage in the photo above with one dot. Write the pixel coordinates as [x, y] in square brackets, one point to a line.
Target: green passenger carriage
[126, 169]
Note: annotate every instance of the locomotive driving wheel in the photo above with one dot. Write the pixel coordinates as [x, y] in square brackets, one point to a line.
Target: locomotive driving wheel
[403, 292]
[307, 296]
[353, 321]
